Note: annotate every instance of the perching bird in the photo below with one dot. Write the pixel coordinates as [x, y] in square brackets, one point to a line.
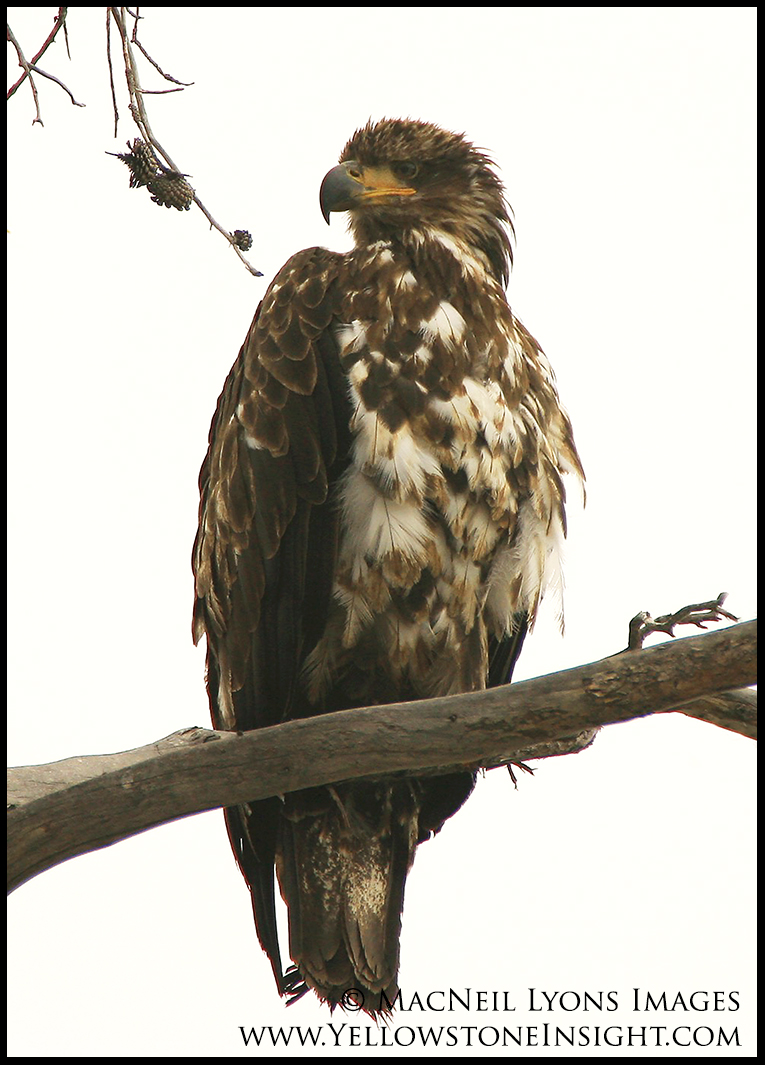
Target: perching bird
[381, 512]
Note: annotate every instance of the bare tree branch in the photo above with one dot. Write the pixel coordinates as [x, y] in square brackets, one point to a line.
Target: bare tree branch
[80, 804]
[140, 117]
[169, 186]
[134, 40]
[27, 67]
[111, 68]
[735, 711]
[643, 625]
[52, 77]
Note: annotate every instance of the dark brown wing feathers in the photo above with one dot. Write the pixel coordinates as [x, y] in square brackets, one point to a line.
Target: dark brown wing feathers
[272, 440]
[265, 547]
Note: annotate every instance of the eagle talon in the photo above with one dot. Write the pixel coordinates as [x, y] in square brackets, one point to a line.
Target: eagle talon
[518, 765]
[293, 985]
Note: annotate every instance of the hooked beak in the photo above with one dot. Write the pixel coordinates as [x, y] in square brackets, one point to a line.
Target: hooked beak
[351, 185]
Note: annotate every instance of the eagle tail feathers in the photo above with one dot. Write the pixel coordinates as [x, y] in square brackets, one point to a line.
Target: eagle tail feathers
[342, 860]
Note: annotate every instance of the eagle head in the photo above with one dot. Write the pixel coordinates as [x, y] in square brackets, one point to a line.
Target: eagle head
[400, 176]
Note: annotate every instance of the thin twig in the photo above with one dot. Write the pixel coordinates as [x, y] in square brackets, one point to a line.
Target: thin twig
[227, 235]
[161, 92]
[154, 63]
[52, 77]
[30, 67]
[141, 119]
[111, 69]
[66, 36]
[643, 625]
[26, 67]
[58, 22]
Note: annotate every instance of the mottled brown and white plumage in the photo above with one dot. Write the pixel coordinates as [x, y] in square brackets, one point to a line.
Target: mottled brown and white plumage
[381, 512]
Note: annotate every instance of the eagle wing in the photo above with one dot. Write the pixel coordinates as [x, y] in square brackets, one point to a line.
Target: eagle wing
[266, 544]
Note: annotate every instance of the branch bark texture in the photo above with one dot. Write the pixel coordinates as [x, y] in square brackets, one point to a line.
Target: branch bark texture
[77, 805]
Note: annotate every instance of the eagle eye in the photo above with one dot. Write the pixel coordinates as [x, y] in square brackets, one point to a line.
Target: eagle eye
[407, 170]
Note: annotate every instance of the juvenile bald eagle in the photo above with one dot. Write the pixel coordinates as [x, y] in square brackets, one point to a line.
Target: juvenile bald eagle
[381, 513]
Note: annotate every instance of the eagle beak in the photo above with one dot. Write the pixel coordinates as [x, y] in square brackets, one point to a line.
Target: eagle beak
[349, 185]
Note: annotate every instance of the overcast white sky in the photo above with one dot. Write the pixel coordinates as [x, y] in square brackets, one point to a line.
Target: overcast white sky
[625, 137]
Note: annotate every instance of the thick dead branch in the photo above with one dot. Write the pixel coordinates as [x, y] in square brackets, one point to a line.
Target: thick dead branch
[735, 711]
[80, 804]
